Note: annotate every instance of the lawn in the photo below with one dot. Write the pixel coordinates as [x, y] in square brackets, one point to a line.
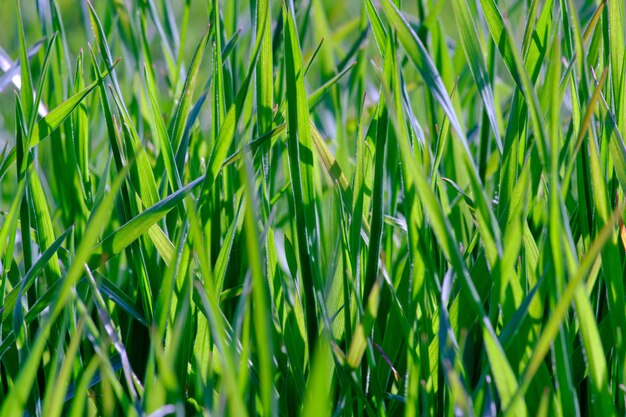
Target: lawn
[312, 208]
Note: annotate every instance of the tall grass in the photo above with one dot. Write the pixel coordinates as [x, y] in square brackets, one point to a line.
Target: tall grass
[313, 208]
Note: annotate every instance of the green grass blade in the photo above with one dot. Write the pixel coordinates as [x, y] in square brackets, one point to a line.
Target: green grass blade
[138, 225]
[474, 55]
[419, 56]
[301, 169]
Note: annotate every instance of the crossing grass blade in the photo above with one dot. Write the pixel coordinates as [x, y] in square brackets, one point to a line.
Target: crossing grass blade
[130, 231]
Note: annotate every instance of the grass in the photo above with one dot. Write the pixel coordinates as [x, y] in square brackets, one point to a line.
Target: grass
[312, 208]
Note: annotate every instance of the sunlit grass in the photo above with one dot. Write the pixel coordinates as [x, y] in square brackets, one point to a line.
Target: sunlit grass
[313, 208]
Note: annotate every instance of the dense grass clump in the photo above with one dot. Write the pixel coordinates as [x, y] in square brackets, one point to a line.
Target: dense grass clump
[312, 207]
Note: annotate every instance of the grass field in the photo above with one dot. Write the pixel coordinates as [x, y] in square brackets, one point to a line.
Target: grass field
[312, 207]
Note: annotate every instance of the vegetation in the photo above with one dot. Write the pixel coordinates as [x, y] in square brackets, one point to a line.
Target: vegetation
[316, 208]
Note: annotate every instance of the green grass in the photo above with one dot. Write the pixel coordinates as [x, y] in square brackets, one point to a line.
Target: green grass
[316, 208]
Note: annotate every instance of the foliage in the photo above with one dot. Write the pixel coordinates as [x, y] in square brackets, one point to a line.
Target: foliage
[313, 208]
